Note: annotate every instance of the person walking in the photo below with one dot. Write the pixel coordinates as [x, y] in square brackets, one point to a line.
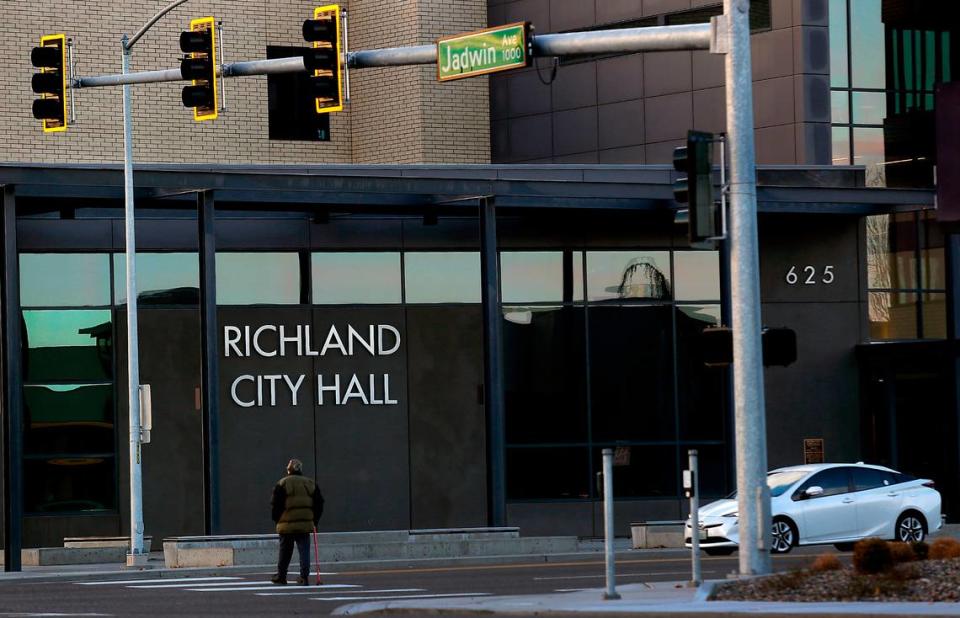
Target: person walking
[296, 507]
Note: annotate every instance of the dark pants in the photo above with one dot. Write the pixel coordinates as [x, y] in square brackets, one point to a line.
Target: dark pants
[286, 552]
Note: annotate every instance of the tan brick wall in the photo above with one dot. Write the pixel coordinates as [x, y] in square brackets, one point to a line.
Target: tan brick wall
[164, 131]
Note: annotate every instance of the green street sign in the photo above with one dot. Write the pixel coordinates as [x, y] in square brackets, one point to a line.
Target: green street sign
[483, 51]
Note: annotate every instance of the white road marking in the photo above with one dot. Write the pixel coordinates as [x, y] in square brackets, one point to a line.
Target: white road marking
[201, 584]
[573, 589]
[403, 596]
[272, 587]
[114, 582]
[619, 575]
[30, 614]
[290, 592]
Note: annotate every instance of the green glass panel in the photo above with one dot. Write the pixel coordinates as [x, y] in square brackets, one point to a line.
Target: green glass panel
[615, 275]
[162, 278]
[258, 278]
[356, 278]
[945, 51]
[867, 60]
[696, 275]
[839, 75]
[64, 279]
[69, 419]
[908, 62]
[71, 345]
[840, 107]
[930, 71]
[442, 277]
[69, 484]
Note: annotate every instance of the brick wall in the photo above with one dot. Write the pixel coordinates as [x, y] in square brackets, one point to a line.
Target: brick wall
[164, 130]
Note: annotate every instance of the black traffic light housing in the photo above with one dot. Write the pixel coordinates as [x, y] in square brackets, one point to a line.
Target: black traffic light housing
[51, 82]
[200, 66]
[779, 346]
[323, 58]
[696, 188]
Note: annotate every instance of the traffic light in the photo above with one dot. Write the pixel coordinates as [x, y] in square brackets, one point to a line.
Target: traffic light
[200, 66]
[324, 58]
[696, 188]
[778, 346]
[50, 82]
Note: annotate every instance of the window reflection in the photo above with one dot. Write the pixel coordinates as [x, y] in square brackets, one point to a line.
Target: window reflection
[442, 277]
[68, 345]
[548, 473]
[868, 64]
[696, 275]
[628, 274]
[69, 484]
[533, 276]
[356, 278]
[892, 315]
[838, 43]
[869, 107]
[162, 278]
[841, 145]
[642, 471]
[64, 279]
[258, 278]
[934, 315]
[701, 399]
[69, 418]
[868, 150]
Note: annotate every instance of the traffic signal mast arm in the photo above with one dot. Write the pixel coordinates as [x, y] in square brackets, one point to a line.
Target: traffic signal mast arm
[626, 40]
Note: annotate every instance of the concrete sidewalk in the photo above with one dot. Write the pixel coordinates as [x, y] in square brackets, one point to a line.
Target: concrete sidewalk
[654, 600]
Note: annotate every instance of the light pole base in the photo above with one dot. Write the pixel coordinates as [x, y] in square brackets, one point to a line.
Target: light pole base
[608, 596]
[137, 560]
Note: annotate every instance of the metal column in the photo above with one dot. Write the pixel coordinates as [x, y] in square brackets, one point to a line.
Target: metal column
[492, 364]
[210, 363]
[952, 246]
[12, 390]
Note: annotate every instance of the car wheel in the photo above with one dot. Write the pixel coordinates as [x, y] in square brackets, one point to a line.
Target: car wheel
[911, 528]
[720, 551]
[784, 535]
[844, 546]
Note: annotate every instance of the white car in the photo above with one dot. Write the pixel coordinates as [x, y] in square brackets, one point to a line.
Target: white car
[830, 503]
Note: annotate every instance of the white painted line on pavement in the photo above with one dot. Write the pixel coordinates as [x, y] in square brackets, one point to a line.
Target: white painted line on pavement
[200, 584]
[404, 596]
[31, 614]
[573, 589]
[154, 581]
[290, 592]
[619, 575]
[273, 587]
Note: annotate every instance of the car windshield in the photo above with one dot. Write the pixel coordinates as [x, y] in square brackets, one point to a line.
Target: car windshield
[779, 482]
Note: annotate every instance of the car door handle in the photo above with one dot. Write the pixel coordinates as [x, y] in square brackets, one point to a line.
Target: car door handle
[847, 501]
[892, 494]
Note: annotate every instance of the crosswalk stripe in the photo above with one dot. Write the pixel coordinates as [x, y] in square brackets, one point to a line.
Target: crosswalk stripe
[272, 587]
[201, 584]
[114, 582]
[293, 592]
[403, 596]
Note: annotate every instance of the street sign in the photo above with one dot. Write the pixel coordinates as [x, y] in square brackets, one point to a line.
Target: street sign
[483, 51]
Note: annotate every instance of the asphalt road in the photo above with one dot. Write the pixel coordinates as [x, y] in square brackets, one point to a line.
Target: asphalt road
[251, 594]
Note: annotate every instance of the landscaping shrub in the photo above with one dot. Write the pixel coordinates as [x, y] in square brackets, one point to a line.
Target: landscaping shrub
[872, 556]
[902, 552]
[920, 550]
[826, 562]
[945, 547]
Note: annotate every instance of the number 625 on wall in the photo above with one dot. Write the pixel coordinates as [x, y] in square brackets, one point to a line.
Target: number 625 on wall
[808, 275]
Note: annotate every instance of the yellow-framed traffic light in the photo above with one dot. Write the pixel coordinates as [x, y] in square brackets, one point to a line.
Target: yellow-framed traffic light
[51, 82]
[326, 83]
[200, 66]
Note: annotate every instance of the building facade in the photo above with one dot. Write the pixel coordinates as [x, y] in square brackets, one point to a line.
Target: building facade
[351, 327]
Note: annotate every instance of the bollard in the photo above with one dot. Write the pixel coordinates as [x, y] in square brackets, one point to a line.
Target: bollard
[610, 594]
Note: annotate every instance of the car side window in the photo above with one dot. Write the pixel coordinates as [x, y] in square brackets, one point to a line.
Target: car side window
[833, 481]
[870, 478]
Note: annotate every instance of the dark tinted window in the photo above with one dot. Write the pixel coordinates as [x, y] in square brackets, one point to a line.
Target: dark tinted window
[69, 484]
[869, 478]
[70, 345]
[292, 114]
[833, 481]
[548, 473]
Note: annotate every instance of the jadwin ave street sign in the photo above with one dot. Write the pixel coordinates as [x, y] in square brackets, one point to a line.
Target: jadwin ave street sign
[483, 51]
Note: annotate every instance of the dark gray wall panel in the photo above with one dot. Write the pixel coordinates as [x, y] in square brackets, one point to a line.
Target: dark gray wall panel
[41, 234]
[234, 234]
[668, 117]
[567, 15]
[575, 131]
[50, 531]
[153, 234]
[618, 10]
[618, 124]
[620, 78]
[362, 450]
[447, 423]
[575, 86]
[362, 234]
[666, 73]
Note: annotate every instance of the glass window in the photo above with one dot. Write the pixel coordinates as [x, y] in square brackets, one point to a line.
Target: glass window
[934, 315]
[878, 252]
[628, 275]
[72, 345]
[869, 107]
[356, 278]
[544, 374]
[839, 107]
[871, 478]
[642, 471]
[64, 279]
[548, 473]
[780, 482]
[833, 481]
[536, 276]
[69, 419]
[868, 150]
[258, 279]
[838, 43]
[696, 275]
[713, 464]
[631, 372]
[892, 315]
[442, 277]
[868, 60]
[701, 399]
[69, 484]
[162, 278]
[841, 145]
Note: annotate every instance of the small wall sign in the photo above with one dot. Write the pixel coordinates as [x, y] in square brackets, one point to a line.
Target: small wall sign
[813, 450]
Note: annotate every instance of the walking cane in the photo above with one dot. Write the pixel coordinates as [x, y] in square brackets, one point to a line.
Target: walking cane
[316, 550]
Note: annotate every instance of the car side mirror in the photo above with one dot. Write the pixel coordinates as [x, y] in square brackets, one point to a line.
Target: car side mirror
[813, 491]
